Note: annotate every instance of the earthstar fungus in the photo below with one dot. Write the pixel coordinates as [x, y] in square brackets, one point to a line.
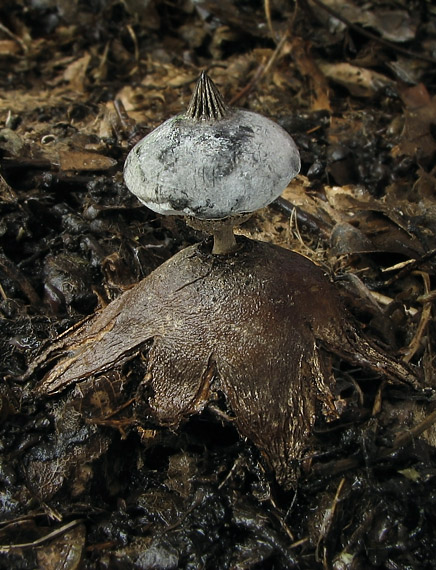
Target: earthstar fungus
[256, 323]
[212, 163]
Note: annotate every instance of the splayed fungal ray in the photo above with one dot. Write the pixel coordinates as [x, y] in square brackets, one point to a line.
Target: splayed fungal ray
[261, 323]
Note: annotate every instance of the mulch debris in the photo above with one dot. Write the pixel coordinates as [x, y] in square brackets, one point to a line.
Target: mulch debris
[86, 479]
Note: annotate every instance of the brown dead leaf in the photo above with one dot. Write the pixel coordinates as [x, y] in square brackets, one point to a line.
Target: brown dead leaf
[310, 70]
[6, 192]
[297, 194]
[20, 101]
[344, 127]
[64, 551]
[418, 140]
[358, 222]
[359, 81]
[393, 25]
[80, 161]
[75, 73]
[386, 225]
[9, 48]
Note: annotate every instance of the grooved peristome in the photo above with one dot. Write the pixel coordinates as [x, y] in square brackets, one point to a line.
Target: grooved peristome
[206, 102]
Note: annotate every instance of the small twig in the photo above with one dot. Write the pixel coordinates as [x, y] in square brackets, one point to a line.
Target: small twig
[427, 297]
[250, 86]
[281, 519]
[8, 525]
[237, 463]
[425, 317]
[135, 43]
[100, 72]
[299, 542]
[328, 518]
[407, 269]
[407, 437]
[397, 266]
[261, 71]
[372, 36]
[306, 220]
[385, 301]
[295, 231]
[120, 408]
[2, 293]
[13, 36]
[268, 19]
[39, 541]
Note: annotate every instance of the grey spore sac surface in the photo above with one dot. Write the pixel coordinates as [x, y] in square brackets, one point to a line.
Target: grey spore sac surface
[212, 169]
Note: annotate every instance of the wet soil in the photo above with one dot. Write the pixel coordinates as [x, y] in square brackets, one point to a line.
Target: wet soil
[88, 479]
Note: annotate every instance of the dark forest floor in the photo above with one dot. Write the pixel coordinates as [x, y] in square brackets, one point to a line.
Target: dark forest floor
[88, 482]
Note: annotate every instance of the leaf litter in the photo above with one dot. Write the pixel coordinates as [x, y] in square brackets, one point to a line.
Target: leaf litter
[89, 478]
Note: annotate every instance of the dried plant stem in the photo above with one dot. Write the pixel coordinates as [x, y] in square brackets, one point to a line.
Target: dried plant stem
[425, 318]
[262, 70]
[42, 539]
[267, 6]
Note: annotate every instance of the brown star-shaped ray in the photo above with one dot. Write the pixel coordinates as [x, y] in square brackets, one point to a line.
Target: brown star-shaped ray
[257, 325]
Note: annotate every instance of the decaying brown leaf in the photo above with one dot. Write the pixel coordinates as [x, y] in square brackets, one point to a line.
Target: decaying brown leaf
[310, 69]
[359, 81]
[418, 137]
[257, 325]
[84, 161]
[64, 551]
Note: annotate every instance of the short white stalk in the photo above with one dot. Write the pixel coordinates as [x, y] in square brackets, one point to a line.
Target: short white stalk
[224, 240]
